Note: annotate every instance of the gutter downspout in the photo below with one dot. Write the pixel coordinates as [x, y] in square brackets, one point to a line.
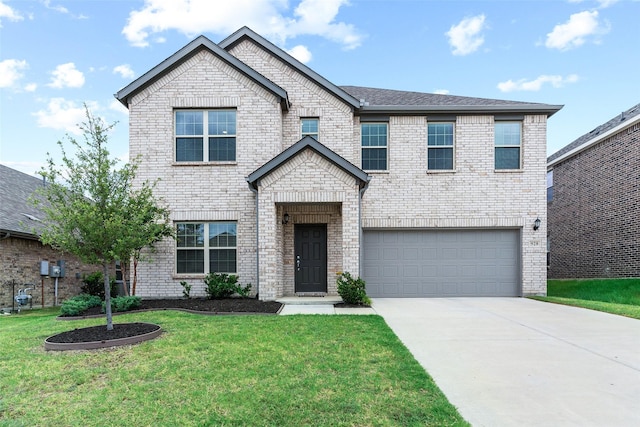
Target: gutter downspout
[360, 233]
[255, 190]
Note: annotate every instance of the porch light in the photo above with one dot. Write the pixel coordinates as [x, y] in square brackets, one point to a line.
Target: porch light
[285, 218]
[536, 224]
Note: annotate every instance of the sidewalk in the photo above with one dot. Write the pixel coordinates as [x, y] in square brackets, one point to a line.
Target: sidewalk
[319, 305]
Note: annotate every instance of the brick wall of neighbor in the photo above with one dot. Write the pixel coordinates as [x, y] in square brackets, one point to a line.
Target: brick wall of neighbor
[20, 262]
[594, 216]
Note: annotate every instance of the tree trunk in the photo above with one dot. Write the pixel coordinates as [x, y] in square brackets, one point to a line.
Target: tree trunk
[123, 269]
[135, 275]
[107, 296]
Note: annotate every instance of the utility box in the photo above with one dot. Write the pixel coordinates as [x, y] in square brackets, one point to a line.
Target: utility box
[61, 265]
[44, 268]
[54, 271]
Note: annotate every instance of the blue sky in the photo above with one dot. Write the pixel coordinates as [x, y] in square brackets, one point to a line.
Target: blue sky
[57, 55]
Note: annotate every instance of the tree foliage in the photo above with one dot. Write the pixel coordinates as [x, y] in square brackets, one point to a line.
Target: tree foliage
[91, 208]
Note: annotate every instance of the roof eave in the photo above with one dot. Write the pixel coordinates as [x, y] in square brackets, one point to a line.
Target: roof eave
[549, 110]
[247, 33]
[191, 48]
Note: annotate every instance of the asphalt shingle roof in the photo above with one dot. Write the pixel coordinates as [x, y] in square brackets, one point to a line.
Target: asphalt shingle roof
[625, 116]
[16, 213]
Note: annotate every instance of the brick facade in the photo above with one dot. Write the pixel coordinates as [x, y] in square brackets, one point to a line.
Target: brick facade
[313, 190]
[594, 216]
[20, 263]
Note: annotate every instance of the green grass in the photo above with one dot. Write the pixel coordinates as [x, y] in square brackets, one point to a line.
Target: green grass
[219, 370]
[616, 296]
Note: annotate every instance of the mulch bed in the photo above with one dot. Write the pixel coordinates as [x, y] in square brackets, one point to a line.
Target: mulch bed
[100, 333]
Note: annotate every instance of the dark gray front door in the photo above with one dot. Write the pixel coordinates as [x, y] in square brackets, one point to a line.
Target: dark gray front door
[311, 257]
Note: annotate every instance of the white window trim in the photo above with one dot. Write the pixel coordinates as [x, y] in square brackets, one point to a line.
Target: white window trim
[205, 138]
[452, 146]
[303, 134]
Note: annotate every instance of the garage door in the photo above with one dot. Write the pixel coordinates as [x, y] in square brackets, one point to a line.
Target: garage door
[444, 263]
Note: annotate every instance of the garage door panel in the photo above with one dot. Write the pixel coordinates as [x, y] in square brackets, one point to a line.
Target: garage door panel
[428, 263]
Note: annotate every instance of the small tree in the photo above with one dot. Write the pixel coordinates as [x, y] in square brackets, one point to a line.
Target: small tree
[91, 210]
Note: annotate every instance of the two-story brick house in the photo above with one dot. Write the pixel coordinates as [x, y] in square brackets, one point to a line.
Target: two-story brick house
[593, 202]
[276, 174]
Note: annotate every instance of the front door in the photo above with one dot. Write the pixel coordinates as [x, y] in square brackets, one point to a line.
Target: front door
[311, 257]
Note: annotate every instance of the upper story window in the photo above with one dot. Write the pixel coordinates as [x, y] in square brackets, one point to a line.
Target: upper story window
[310, 128]
[550, 185]
[440, 146]
[374, 146]
[209, 134]
[206, 247]
[508, 144]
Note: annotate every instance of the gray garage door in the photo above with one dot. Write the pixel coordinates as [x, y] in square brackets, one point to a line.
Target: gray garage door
[445, 263]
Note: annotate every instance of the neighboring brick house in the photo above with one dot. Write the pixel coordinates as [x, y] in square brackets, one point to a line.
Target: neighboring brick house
[594, 202]
[274, 173]
[21, 251]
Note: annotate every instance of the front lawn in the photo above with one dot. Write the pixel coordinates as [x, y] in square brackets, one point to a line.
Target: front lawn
[219, 370]
[617, 296]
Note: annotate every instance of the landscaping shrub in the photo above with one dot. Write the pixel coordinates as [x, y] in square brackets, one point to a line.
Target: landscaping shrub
[222, 285]
[119, 304]
[186, 289]
[78, 304]
[94, 285]
[352, 290]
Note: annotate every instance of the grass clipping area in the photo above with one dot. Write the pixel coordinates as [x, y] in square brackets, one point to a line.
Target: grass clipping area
[219, 370]
[616, 296]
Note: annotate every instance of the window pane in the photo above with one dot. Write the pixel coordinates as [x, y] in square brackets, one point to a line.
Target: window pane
[190, 261]
[222, 234]
[222, 122]
[222, 149]
[374, 135]
[374, 158]
[507, 158]
[222, 261]
[440, 134]
[310, 127]
[507, 134]
[189, 149]
[440, 158]
[190, 235]
[189, 122]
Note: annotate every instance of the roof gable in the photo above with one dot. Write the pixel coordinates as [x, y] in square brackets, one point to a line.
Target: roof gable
[245, 33]
[18, 216]
[199, 43]
[298, 147]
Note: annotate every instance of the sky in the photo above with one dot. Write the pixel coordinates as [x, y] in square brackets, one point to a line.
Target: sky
[57, 56]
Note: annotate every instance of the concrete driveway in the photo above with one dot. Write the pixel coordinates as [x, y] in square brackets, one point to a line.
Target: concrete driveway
[520, 362]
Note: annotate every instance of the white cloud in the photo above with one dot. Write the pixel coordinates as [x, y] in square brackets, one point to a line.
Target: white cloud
[466, 37]
[441, 91]
[63, 115]
[574, 32]
[66, 75]
[10, 71]
[125, 71]
[536, 85]
[30, 87]
[7, 12]
[266, 17]
[301, 53]
[116, 105]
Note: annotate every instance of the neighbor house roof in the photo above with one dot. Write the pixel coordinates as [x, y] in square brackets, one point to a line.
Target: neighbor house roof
[18, 217]
[195, 46]
[396, 101]
[600, 133]
[292, 151]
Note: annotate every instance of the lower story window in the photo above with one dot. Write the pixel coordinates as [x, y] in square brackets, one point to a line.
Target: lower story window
[209, 247]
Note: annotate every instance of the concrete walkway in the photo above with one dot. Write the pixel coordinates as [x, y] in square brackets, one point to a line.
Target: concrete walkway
[318, 305]
[520, 362]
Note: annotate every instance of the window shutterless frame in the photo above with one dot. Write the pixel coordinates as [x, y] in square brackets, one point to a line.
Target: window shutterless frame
[205, 135]
[508, 145]
[374, 146]
[310, 127]
[206, 247]
[440, 146]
